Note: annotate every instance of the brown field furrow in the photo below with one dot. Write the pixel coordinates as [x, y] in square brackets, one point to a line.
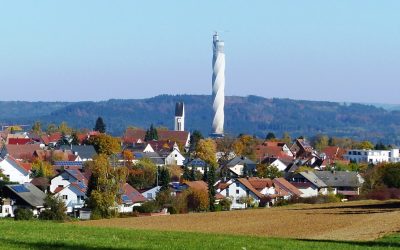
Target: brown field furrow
[361, 220]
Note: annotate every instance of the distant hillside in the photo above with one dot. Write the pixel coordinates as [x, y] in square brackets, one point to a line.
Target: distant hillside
[252, 115]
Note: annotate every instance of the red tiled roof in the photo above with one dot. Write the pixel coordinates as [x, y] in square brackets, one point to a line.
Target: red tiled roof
[222, 185]
[20, 141]
[247, 184]
[132, 193]
[46, 139]
[284, 184]
[197, 185]
[161, 145]
[58, 189]
[334, 153]
[133, 135]
[219, 196]
[24, 152]
[260, 184]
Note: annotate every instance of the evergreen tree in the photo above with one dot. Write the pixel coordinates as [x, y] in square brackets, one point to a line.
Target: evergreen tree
[165, 178]
[193, 174]
[211, 188]
[100, 125]
[151, 134]
[270, 136]
[195, 137]
[186, 173]
[205, 175]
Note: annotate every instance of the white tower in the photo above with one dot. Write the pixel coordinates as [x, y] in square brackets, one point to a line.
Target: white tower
[179, 116]
[218, 85]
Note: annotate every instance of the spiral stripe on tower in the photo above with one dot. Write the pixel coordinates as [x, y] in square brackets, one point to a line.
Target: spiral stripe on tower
[218, 85]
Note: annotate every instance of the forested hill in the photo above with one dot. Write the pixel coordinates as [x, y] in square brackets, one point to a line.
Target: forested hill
[252, 115]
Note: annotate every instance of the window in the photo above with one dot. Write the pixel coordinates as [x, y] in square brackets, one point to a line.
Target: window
[149, 196]
[237, 191]
[237, 184]
[65, 197]
[227, 192]
[6, 210]
[60, 186]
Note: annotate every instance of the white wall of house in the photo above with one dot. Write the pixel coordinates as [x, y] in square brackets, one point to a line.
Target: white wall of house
[309, 192]
[127, 208]
[279, 165]
[373, 156]
[14, 172]
[237, 169]
[64, 179]
[6, 211]
[175, 158]
[235, 191]
[151, 193]
[71, 199]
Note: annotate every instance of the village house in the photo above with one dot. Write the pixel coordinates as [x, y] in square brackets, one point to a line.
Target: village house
[15, 171]
[21, 196]
[373, 156]
[130, 198]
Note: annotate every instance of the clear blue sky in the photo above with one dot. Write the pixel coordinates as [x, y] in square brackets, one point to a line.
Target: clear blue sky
[96, 50]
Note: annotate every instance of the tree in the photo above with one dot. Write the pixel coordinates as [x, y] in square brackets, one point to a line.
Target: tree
[365, 145]
[195, 137]
[244, 145]
[142, 174]
[380, 146]
[286, 138]
[268, 171]
[64, 128]
[151, 134]
[51, 128]
[104, 187]
[193, 174]
[186, 173]
[198, 200]
[225, 147]
[100, 126]
[42, 169]
[211, 188]
[75, 138]
[128, 157]
[206, 150]
[105, 144]
[270, 136]
[320, 142]
[205, 175]
[391, 175]
[55, 209]
[165, 178]
[37, 128]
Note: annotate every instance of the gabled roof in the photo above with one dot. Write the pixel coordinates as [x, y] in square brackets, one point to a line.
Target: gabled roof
[284, 184]
[248, 185]
[84, 151]
[339, 178]
[20, 151]
[55, 137]
[197, 162]
[312, 178]
[259, 184]
[131, 195]
[241, 160]
[19, 141]
[201, 185]
[77, 175]
[24, 167]
[29, 193]
[334, 153]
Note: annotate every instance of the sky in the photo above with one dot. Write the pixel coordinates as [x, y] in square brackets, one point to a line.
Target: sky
[345, 50]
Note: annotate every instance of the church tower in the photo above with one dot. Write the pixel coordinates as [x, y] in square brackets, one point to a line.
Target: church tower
[179, 117]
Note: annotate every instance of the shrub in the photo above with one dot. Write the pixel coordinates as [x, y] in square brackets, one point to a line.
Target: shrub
[180, 204]
[55, 209]
[225, 204]
[197, 200]
[23, 214]
[148, 207]
[384, 193]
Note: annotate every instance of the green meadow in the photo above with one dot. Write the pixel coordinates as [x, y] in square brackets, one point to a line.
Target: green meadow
[50, 235]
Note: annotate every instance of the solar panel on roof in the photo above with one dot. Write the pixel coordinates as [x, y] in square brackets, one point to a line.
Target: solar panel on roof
[68, 163]
[125, 197]
[81, 185]
[20, 189]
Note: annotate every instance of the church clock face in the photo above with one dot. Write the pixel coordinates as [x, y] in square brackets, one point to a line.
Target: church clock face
[179, 119]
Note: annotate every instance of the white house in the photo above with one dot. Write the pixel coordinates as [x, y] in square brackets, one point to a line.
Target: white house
[73, 196]
[130, 198]
[150, 194]
[238, 190]
[175, 158]
[373, 156]
[65, 178]
[15, 171]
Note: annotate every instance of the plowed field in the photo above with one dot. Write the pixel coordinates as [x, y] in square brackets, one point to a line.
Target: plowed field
[360, 220]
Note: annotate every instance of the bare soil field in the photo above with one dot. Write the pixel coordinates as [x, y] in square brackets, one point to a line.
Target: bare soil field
[359, 220]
